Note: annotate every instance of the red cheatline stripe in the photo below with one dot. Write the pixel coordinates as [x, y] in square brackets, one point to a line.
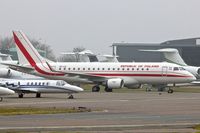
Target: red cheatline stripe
[30, 59]
[142, 75]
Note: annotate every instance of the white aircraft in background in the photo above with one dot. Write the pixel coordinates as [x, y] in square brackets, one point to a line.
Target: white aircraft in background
[40, 86]
[111, 75]
[6, 72]
[89, 56]
[4, 92]
[172, 55]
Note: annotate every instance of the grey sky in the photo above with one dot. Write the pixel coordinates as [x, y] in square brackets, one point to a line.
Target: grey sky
[96, 24]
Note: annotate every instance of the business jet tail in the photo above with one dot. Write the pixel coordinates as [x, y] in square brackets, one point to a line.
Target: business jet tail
[171, 55]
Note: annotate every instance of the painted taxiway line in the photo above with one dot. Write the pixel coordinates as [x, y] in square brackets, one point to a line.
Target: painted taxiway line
[101, 126]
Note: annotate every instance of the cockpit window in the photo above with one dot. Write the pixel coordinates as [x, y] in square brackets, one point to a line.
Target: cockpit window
[176, 69]
[181, 68]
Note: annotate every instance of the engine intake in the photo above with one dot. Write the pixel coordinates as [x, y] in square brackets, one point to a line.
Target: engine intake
[5, 72]
[115, 83]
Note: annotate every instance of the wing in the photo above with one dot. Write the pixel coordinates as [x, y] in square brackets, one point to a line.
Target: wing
[20, 68]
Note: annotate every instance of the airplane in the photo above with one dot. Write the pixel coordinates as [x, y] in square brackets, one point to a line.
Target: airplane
[111, 75]
[6, 72]
[4, 92]
[172, 55]
[89, 56]
[39, 86]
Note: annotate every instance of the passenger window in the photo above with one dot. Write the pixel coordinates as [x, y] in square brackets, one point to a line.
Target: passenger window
[176, 69]
[102, 68]
[78, 68]
[113, 69]
[118, 68]
[83, 68]
[123, 69]
[93, 68]
[127, 69]
[60, 68]
[35, 83]
[147, 69]
[43, 83]
[31, 83]
[73, 68]
[137, 68]
[108, 68]
[88, 68]
[142, 69]
[132, 69]
[98, 68]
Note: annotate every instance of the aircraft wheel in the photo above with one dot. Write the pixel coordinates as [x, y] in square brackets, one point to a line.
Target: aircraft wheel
[1, 99]
[20, 95]
[38, 95]
[71, 97]
[95, 88]
[108, 89]
[170, 91]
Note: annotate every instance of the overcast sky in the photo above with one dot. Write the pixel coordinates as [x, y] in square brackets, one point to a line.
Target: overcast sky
[96, 24]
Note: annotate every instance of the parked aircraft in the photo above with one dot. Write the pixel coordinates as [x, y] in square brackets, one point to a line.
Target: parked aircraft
[172, 55]
[89, 56]
[40, 86]
[4, 92]
[111, 75]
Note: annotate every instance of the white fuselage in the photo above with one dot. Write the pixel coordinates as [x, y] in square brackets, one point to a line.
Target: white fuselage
[131, 73]
[40, 86]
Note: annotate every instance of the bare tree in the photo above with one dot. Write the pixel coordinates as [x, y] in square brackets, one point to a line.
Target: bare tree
[8, 42]
[72, 58]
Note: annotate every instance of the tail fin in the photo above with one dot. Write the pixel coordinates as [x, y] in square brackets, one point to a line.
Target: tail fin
[27, 54]
[171, 55]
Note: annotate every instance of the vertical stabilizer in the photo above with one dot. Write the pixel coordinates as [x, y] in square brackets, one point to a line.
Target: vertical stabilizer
[171, 55]
[27, 54]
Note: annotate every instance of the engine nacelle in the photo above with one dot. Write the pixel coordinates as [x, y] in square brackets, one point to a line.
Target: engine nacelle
[135, 86]
[115, 83]
[194, 70]
[5, 72]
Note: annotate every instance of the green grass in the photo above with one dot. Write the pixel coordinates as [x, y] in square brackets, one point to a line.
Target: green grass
[31, 110]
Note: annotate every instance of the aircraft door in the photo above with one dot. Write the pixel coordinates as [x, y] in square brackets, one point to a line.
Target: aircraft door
[164, 71]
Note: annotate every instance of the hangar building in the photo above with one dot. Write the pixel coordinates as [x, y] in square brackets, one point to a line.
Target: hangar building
[189, 50]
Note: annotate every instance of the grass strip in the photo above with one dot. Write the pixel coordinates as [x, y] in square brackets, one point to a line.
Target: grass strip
[33, 110]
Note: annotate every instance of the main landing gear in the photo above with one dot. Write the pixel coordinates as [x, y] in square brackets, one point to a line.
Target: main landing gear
[1, 99]
[96, 88]
[107, 89]
[170, 90]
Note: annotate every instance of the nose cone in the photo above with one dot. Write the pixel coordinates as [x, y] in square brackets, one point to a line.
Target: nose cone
[73, 88]
[6, 91]
[191, 77]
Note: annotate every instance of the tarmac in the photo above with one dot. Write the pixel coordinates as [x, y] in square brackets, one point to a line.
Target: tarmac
[111, 112]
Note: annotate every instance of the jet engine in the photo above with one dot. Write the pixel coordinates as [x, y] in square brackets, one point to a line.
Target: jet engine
[194, 70]
[5, 72]
[115, 83]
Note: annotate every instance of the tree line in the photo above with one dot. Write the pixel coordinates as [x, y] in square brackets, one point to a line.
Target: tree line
[8, 42]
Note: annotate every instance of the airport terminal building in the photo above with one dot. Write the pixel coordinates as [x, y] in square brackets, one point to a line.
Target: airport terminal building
[189, 50]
